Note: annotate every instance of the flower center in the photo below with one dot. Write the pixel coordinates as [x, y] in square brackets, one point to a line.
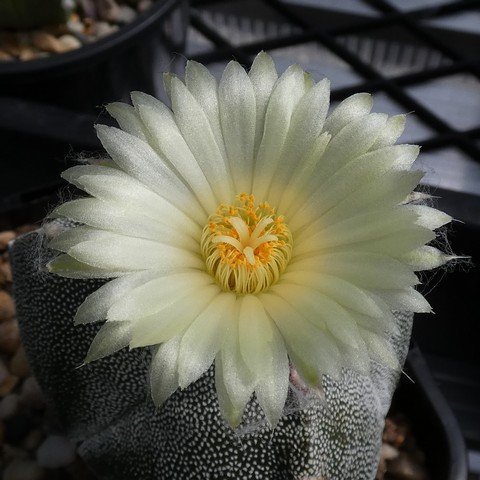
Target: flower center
[246, 247]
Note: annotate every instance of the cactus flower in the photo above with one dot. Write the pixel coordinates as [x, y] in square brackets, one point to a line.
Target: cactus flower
[248, 228]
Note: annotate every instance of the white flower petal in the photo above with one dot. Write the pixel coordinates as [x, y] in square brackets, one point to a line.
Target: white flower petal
[368, 226]
[127, 118]
[237, 106]
[107, 250]
[272, 389]
[203, 339]
[174, 316]
[122, 220]
[167, 83]
[380, 349]
[385, 325]
[138, 159]
[390, 191]
[352, 141]
[399, 243]
[68, 241]
[321, 311]
[429, 217]
[198, 134]
[163, 371]
[116, 187]
[369, 171]
[151, 297]
[97, 304]
[308, 117]
[203, 86]
[255, 333]
[355, 106]
[311, 350]
[426, 258]
[263, 351]
[111, 337]
[233, 379]
[417, 197]
[263, 76]
[392, 131]
[66, 266]
[406, 300]
[295, 192]
[165, 137]
[364, 269]
[343, 292]
[288, 90]
[231, 406]
[305, 126]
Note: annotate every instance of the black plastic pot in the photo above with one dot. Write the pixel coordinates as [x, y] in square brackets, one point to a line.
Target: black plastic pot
[107, 70]
[433, 423]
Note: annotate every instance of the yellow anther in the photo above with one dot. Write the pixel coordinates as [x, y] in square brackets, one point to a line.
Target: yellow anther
[246, 247]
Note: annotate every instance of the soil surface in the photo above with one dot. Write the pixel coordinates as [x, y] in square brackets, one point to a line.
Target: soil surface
[89, 21]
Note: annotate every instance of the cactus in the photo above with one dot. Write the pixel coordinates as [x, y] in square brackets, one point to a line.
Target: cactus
[20, 14]
[105, 405]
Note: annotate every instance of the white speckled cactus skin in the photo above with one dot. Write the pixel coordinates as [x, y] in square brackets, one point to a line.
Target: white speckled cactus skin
[106, 407]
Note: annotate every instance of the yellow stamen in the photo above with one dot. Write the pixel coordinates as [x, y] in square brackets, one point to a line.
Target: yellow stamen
[246, 247]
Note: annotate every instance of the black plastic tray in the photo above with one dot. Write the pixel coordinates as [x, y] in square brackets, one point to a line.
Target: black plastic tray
[433, 422]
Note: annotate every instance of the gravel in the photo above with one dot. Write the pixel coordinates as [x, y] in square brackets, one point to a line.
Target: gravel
[90, 21]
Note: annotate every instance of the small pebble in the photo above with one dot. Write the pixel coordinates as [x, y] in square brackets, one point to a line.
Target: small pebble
[388, 452]
[108, 10]
[19, 364]
[403, 468]
[26, 53]
[7, 307]
[88, 21]
[144, 5]
[127, 14]
[55, 452]
[74, 25]
[4, 56]
[6, 271]
[31, 395]
[23, 470]
[395, 432]
[102, 29]
[47, 42]
[9, 336]
[6, 236]
[9, 406]
[8, 385]
[69, 43]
